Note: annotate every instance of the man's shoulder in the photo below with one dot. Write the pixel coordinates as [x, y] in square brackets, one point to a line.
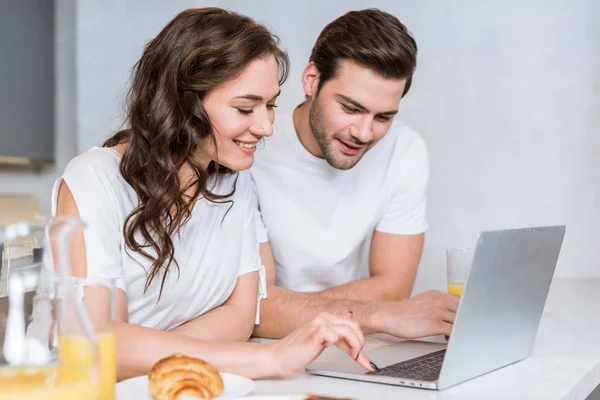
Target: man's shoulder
[402, 144]
[404, 137]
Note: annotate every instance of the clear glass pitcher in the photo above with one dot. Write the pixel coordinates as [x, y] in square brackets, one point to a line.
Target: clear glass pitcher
[36, 271]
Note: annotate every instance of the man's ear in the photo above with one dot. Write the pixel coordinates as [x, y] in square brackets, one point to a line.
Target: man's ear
[310, 79]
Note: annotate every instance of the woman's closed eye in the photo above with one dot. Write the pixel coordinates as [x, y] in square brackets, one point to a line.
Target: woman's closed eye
[244, 111]
[248, 111]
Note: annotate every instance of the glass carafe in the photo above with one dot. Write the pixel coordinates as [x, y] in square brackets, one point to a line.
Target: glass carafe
[36, 270]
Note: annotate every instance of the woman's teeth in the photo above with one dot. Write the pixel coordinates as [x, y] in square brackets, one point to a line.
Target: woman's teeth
[247, 145]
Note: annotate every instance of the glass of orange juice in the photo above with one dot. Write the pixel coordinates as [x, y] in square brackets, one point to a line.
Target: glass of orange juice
[458, 265]
[99, 300]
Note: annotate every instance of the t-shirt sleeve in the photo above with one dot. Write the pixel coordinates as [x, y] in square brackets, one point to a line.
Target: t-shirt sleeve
[97, 203]
[250, 252]
[261, 229]
[406, 210]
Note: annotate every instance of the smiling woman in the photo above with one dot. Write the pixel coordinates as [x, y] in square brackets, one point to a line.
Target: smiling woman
[194, 84]
[242, 112]
[169, 216]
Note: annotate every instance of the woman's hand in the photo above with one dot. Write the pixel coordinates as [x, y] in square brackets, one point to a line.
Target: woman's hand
[303, 345]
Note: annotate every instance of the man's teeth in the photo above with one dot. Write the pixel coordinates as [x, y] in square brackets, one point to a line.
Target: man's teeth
[247, 145]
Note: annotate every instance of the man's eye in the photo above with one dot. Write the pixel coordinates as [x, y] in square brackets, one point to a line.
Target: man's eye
[349, 110]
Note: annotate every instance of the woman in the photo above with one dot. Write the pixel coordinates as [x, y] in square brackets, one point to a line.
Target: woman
[170, 219]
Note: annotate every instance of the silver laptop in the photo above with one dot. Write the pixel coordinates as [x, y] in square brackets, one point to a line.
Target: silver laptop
[496, 322]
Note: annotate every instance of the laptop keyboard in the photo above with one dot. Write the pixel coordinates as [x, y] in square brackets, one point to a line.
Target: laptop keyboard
[424, 368]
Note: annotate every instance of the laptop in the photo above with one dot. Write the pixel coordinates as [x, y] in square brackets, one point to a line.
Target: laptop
[496, 321]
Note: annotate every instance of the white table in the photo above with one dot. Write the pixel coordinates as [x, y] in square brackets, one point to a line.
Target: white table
[565, 363]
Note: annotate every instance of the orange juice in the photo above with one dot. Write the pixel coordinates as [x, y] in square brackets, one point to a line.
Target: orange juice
[77, 351]
[48, 383]
[455, 288]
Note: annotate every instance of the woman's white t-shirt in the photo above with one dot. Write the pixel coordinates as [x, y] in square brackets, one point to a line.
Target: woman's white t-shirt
[216, 245]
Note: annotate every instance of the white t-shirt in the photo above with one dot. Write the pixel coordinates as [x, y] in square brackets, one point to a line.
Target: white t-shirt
[319, 220]
[212, 249]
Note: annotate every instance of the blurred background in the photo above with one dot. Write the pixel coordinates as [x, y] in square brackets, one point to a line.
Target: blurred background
[506, 95]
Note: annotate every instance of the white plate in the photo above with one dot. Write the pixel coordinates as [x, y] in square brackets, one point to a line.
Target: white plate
[137, 388]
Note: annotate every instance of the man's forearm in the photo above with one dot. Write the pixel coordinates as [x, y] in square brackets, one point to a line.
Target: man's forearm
[285, 310]
[375, 288]
[227, 323]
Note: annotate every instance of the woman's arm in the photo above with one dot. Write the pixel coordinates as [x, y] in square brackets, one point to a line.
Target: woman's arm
[231, 322]
[139, 348]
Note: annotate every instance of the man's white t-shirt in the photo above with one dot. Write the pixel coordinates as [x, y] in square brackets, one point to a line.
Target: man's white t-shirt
[212, 249]
[319, 220]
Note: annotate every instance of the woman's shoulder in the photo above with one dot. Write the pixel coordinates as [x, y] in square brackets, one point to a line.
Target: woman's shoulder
[237, 184]
[96, 172]
[237, 188]
[244, 186]
[102, 160]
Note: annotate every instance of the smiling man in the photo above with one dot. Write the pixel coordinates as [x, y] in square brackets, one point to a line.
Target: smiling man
[342, 187]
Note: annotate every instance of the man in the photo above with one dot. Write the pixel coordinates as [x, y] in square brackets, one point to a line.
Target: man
[341, 188]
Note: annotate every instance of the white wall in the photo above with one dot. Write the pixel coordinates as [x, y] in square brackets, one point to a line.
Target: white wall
[507, 95]
[40, 183]
[111, 35]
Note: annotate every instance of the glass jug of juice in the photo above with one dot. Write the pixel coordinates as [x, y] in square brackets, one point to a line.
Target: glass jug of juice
[35, 269]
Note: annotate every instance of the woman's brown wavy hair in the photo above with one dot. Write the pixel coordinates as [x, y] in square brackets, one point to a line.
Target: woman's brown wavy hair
[195, 53]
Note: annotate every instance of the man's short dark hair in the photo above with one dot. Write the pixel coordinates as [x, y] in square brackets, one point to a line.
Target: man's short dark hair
[372, 38]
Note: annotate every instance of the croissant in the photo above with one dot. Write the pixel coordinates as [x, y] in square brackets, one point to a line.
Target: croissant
[179, 375]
